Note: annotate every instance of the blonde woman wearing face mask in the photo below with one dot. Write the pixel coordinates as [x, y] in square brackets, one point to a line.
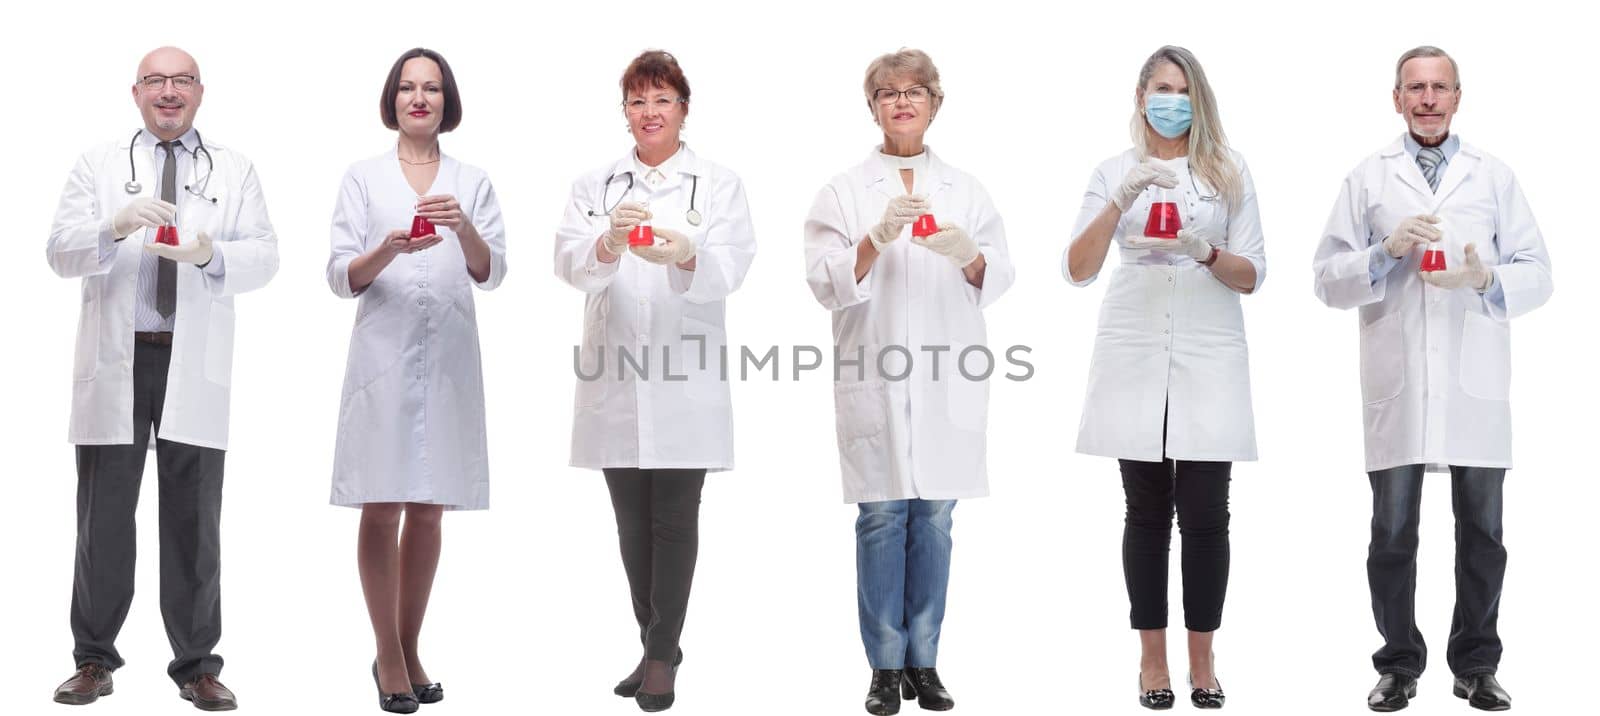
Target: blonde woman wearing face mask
[906, 251]
[1169, 382]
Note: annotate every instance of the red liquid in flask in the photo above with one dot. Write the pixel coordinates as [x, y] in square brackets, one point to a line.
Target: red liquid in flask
[167, 234]
[924, 226]
[1433, 260]
[421, 227]
[642, 235]
[1163, 222]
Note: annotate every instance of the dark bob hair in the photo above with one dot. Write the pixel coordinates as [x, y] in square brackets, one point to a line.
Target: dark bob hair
[391, 89]
[658, 69]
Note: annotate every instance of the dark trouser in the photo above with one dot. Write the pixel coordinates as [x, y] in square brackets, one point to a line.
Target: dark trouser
[1199, 490]
[190, 485]
[1474, 646]
[658, 527]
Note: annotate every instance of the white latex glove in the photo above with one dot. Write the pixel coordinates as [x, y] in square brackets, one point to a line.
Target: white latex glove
[671, 247]
[902, 210]
[951, 242]
[197, 252]
[1190, 242]
[142, 213]
[1413, 231]
[627, 215]
[1141, 176]
[1473, 274]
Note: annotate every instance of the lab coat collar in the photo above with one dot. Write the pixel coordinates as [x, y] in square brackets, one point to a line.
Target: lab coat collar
[879, 174]
[1407, 171]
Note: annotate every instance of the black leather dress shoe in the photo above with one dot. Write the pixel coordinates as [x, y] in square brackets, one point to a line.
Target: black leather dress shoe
[1483, 691]
[1158, 699]
[1393, 692]
[883, 696]
[924, 686]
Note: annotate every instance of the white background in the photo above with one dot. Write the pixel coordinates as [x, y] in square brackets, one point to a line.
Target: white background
[530, 613]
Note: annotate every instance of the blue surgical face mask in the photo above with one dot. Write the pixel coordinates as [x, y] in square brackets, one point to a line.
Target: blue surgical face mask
[1169, 114]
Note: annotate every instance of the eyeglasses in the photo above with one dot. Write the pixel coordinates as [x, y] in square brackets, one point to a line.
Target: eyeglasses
[182, 83]
[916, 95]
[1416, 89]
[660, 104]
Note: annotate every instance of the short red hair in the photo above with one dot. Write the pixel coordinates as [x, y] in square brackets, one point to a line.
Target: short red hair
[657, 69]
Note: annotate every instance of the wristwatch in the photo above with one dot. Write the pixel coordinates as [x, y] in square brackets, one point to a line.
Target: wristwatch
[1215, 252]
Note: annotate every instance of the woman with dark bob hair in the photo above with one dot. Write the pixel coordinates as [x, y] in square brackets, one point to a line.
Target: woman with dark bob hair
[656, 241]
[412, 232]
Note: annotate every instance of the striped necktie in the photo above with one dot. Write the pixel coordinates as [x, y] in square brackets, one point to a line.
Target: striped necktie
[1429, 158]
[167, 269]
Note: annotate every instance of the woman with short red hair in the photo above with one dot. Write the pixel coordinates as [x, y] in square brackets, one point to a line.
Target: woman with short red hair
[656, 241]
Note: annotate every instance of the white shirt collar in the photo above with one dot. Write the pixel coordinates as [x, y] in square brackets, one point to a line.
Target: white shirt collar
[659, 174]
[190, 139]
[917, 163]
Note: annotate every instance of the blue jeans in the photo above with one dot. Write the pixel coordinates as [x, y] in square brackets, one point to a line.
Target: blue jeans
[902, 570]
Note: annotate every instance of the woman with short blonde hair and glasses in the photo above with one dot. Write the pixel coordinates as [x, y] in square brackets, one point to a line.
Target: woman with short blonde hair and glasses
[906, 251]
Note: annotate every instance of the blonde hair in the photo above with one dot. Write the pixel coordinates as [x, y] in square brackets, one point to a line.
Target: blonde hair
[913, 63]
[1208, 145]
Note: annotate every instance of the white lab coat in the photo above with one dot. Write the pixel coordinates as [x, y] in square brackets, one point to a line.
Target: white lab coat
[1435, 364]
[1170, 347]
[195, 407]
[921, 436]
[680, 416]
[411, 416]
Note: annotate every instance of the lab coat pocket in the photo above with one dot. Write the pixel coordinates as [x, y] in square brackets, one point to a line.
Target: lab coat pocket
[589, 365]
[1485, 358]
[967, 399]
[1383, 369]
[219, 344]
[861, 413]
[88, 353]
[699, 358]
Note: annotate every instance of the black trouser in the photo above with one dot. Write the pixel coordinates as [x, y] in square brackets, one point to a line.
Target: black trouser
[658, 527]
[1474, 646]
[190, 485]
[1199, 490]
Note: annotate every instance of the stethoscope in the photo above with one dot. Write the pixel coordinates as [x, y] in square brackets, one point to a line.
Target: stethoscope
[134, 187]
[691, 215]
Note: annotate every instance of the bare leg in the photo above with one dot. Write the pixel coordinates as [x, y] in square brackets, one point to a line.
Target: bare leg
[378, 557]
[419, 560]
[1153, 671]
[1201, 666]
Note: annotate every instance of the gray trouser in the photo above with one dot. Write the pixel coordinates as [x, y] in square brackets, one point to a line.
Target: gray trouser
[190, 484]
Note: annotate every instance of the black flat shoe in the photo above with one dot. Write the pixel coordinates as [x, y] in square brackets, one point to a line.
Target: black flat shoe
[627, 688]
[924, 686]
[1393, 692]
[1206, 698]
[1158, 699]
[1483, 692]
[653, 702]
[658, 702]
[428, 693]
[396, 703]
[883, 696]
